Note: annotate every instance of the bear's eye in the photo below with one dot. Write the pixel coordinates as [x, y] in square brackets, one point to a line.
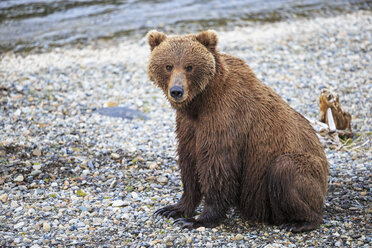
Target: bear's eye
[169, 67]
[189, 68]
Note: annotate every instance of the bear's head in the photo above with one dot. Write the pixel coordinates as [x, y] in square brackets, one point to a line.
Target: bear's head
[182, 66]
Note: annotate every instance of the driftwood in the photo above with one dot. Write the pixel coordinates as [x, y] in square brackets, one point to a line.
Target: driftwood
[326, 137]
[339, 121]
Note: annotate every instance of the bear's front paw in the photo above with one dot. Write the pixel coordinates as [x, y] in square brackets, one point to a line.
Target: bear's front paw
[192, 223]
[171, 211]
[189, 223]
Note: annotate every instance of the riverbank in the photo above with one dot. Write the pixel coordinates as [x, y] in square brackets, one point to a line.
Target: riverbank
[70, 176]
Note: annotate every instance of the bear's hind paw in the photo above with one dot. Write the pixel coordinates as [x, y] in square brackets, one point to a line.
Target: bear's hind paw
[300, 226]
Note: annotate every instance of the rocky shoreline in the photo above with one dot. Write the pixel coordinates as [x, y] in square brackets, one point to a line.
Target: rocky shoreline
[70, 176]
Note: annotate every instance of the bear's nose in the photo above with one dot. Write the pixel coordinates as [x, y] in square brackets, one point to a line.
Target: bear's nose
[176, 92]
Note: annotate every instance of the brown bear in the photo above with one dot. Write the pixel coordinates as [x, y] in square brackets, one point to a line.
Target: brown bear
[239, 144]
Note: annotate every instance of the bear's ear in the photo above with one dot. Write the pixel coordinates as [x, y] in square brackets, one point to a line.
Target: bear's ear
[208, 39]
[155, 38]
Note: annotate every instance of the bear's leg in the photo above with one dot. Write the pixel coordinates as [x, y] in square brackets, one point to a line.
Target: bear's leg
[211, 216]
[297, 186]
[219, 186]
[191, 196]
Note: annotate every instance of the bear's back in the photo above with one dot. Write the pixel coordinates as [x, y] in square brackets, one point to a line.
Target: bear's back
[270, 119]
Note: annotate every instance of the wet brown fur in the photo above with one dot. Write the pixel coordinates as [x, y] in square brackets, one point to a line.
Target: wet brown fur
[239, 144]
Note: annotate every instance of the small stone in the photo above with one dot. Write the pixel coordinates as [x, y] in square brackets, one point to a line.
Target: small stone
[134, 195]
[162, 179]
[36, 166]
[90, 165]
[4, 197]
[115, 156]
[31, 211]
[201, 229]
[35, 173]
[113, 184]
[97, 221]
[120, 203]
[125, 216]
[153, 166]
[19, 225]
[36, 152]
[14, 204]
[46, 227]
[83, 209]
[18, 209]
[26, 240]
[47, 208]
[239, 237]
[19, 178]
[338, 244]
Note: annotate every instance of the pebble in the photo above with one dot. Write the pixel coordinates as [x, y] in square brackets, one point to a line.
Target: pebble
[36, 152]
[97, 221]
[31, 211]
[46, 227]
[83, 209]
[4, 197]
[47, 208]
[14, 204]
[162, 179]
[239, 237]
[27, 240]
[153, 166]
[35, 173]
[19, 178]
[115, 156]
[134, 195]
[19, 225]
[120, 203]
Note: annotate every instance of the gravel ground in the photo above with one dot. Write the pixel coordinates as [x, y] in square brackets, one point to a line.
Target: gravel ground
[70, 176]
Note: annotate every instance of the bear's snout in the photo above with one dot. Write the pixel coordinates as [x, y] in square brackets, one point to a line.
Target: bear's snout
[177, 87]
[176, 92]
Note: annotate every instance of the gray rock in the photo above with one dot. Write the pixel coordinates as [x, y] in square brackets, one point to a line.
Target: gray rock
[14, 204]
[19, 225]
[35, 173]
[120, 203]
[19, 178]
[122, 112]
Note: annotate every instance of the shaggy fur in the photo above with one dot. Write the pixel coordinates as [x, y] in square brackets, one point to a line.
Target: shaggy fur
[240, 145]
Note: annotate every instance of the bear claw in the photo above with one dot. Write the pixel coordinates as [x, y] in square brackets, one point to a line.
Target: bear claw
[168, 211]
[186, 222]
[299, 227]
